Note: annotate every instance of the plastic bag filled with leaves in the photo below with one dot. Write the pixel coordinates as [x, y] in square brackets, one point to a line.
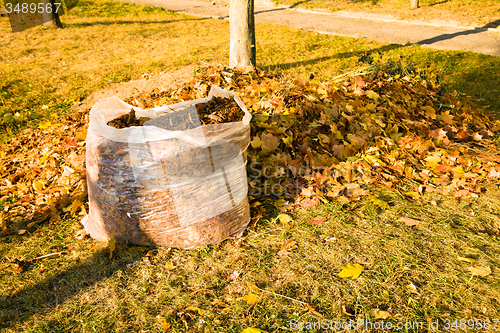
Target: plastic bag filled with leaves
[158, 185]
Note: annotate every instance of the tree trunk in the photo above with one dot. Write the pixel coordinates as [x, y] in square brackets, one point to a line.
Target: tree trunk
[242, 40]
[414, 4]
[55, 15]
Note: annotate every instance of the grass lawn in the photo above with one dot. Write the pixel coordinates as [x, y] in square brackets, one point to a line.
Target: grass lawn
[472, 12]
[411, 275]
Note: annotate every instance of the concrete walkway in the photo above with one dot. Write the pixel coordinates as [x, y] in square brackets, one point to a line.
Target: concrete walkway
[484, 39]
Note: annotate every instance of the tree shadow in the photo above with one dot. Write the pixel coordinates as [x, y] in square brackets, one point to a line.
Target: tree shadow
[88, 24]
[298, 3]
[438, 3]
[481, 84]
[476, 30]
[342, 55]
[282, 8]
[44, 296]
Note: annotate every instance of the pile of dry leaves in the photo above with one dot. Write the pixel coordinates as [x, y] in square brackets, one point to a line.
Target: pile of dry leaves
[310, 140]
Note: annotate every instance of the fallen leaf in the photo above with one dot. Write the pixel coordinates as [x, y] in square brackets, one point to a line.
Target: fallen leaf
[252, 298]
[81, 234]
[351, 270]
[461, 193]
[379, 202]
[270, 142]
[480, 270]
[318, 220]
[164, 324]
[311, 309]
[253, 330]
[411, 288]
[379, 314]
[253, 288]
[372, 94]
[408, 221]
[195, 309]
[288, 246]
[112, 247]
[70, 142]
[466, 259]
[444, 168]
[170, 266]
[38, 185]
[285, 219]
[234, 276]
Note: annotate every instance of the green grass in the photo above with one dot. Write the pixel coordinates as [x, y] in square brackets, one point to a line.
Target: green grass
[44, 72]
[459, 12]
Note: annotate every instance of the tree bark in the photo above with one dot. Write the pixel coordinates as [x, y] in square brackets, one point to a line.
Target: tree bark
[414, 4]
[242, 40]
[55, 15]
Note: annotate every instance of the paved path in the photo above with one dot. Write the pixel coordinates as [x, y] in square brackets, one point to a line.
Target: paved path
[480, 39]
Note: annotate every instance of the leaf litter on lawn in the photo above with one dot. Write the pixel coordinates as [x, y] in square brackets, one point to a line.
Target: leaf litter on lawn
[310, 140]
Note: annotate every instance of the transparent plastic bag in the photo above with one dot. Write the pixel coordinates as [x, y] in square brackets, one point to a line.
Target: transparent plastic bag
[154, 186]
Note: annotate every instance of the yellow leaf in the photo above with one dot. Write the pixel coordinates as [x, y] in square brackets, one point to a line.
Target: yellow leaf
[82, 135]
[322, 91]
[279, 203]
[379, 202]
[351, 270]
[430, 112]
[38, 185]
[253, 330]
[195, 309]
[170, 266]
[44, 124]
[412, 194]
[288, 140]
[251, 298]
[256, 142]
[372, 94]
[466, 259]
[379, 314]
[252, 287]
[73, 207]
[481, 271]
[43, 159]
[2, 155]
[47, 124]
[285, 219]
[112, 247]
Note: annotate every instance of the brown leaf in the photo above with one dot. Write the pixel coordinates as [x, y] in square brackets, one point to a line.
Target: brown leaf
[318, 220]
[408, 221]
[287, 247]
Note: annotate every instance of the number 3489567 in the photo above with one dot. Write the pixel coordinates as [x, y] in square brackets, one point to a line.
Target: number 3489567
[32, 8]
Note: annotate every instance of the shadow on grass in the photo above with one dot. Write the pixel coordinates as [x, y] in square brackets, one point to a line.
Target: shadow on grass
[88, 24]
[342, 55]
[43, 297]
[480, 83]
[439, 38]
[438, 3]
